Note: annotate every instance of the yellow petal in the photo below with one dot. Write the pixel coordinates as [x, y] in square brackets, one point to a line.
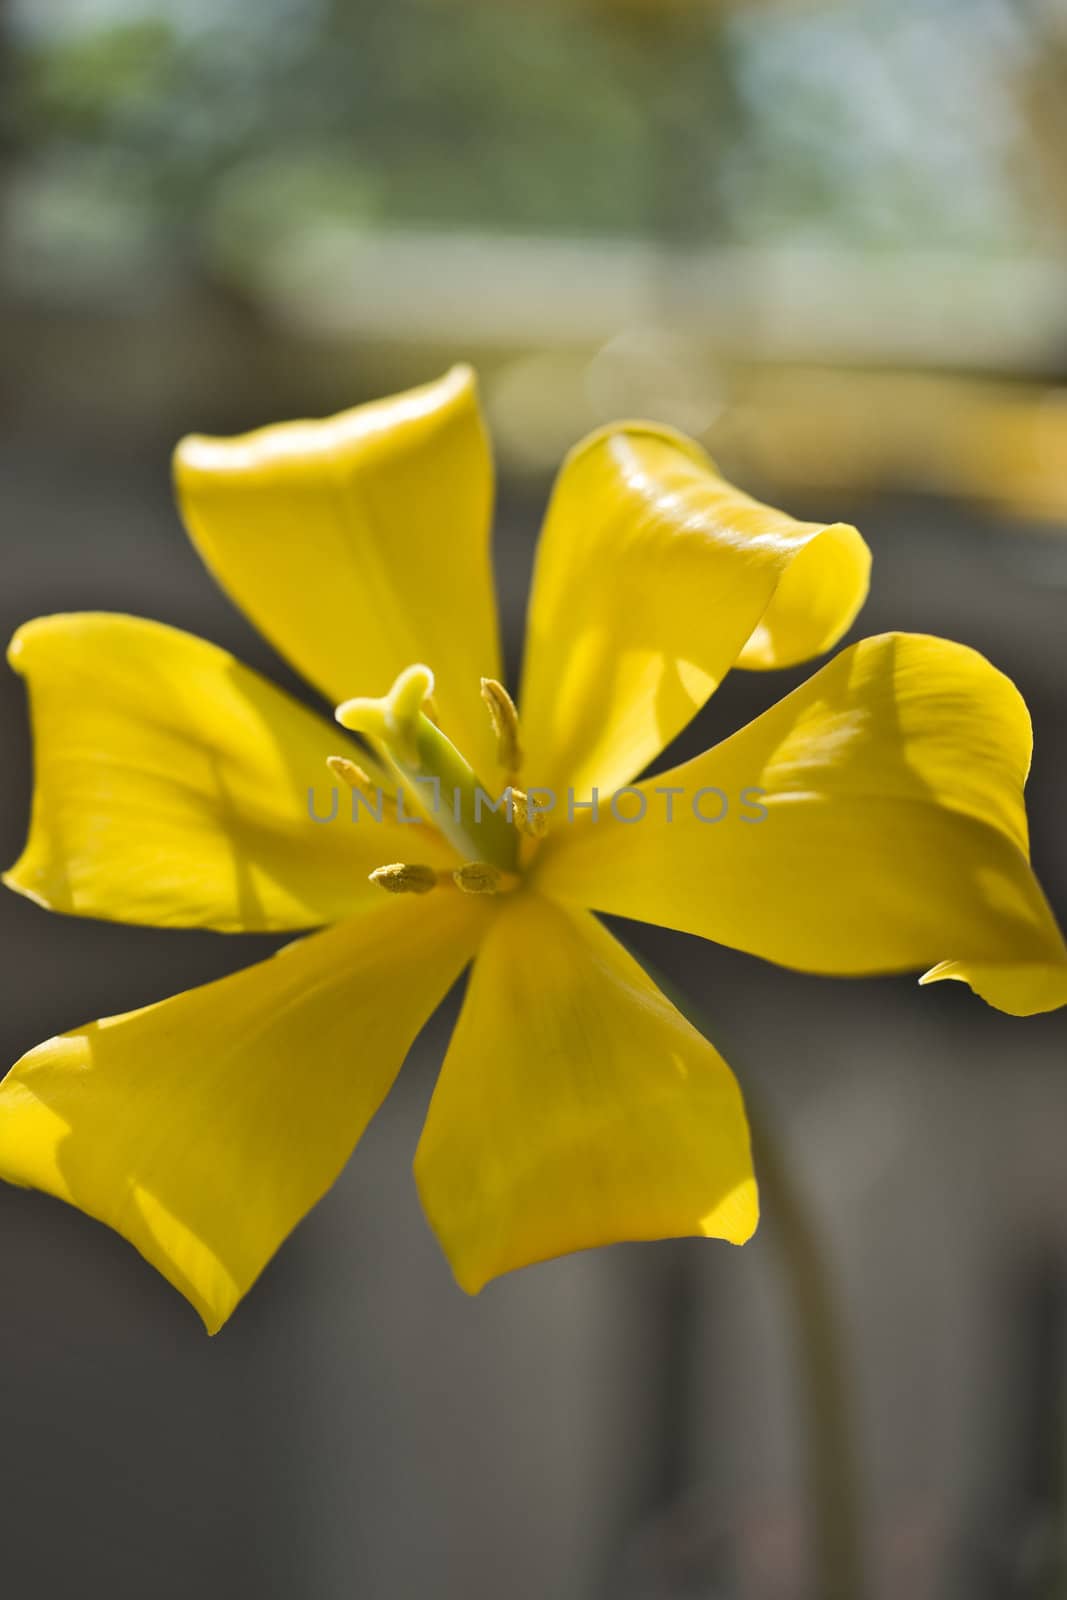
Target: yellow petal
[203, 1129]
[1022, 989]
[654, 576]
[172, 787]
[894, 834]
[576, 1107]
[360, 544]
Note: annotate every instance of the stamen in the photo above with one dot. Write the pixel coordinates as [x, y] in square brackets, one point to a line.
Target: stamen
[534, 823]
[404, 877]
[377, 799]
[505, 720]
[481, 877]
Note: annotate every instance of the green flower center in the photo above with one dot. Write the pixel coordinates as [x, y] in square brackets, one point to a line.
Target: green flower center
[437, 780]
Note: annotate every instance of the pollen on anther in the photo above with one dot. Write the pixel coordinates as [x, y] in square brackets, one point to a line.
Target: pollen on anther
[350, 772]
[527, 819]
[404, 877]
[505, 720]
[480, 877]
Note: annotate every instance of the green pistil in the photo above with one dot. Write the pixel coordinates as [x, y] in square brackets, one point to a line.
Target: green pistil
[442, 782]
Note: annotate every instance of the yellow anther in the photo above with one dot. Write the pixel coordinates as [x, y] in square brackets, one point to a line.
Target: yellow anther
[505, 720]
[481, 877]
[405, 877]
[377, 799]
[528, 820]
[429, 707]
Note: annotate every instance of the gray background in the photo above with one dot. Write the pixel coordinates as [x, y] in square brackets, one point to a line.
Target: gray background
[632, 1423]
[624, 1422]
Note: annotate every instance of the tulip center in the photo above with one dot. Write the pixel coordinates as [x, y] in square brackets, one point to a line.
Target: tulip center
[437, 779]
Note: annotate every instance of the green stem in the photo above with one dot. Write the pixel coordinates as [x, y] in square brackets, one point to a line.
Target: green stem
[833, 1466]
[819, 1347]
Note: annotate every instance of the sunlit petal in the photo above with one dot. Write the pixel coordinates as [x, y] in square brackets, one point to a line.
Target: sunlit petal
[203, 1128]
[576, 1107]
[654, 576]
[893, 833]
[360, 543]
[172, 787]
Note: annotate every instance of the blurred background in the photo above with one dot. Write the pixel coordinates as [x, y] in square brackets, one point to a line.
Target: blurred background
[829, 237]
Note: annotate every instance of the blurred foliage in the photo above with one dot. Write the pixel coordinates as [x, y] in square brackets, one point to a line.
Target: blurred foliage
[405, 111]
[220, 130]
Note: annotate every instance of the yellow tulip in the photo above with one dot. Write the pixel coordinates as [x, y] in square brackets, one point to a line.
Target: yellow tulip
[575, 1106]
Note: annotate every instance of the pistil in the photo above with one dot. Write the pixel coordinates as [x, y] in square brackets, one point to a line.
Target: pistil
[434, 773]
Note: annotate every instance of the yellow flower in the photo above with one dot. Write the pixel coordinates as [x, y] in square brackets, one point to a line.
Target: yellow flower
[874, 822]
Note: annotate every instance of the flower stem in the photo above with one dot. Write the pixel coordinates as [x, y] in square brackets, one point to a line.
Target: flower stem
[833, 1467]
[819, 1345]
